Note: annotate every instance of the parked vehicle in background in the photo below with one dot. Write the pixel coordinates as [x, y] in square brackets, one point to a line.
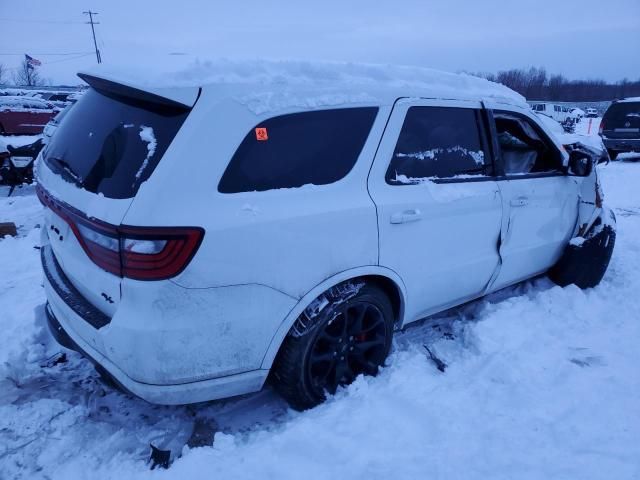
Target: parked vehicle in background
[313, 228]
[577, 113]
[591, 113]
[560, 113]
[620, 127]
[16, 165]
[24, 115]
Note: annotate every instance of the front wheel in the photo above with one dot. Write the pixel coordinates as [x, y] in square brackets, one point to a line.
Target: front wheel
[585, 260]
[330, 346]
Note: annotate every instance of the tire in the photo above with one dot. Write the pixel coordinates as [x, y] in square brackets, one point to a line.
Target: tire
[612, 154]
[584, 265]
[343, 333]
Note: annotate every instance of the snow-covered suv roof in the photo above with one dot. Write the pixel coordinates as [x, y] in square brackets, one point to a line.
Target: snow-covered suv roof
[273, 85]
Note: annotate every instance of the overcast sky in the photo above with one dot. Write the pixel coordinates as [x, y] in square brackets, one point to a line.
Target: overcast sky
[577, 38]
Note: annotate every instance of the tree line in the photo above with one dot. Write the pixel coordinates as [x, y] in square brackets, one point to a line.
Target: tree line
[23, 76]
[536, 84]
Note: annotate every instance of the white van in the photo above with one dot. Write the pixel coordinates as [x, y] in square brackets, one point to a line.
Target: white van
[201, 240]
[559, 113]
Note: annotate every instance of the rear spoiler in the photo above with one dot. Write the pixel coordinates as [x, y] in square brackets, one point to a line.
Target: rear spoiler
[181, 99]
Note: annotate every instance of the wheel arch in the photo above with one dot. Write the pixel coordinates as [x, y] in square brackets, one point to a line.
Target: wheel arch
[386, 279]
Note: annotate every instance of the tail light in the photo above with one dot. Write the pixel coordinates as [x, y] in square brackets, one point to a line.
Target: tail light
[601, 128]
[140, 253]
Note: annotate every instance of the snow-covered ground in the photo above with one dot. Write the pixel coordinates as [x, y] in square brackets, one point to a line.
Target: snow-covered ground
[542, 382]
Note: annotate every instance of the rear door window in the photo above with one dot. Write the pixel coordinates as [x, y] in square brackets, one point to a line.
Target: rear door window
[318, 147]
[439, 142]
[622, 115]
[524, 149]
[111, 144]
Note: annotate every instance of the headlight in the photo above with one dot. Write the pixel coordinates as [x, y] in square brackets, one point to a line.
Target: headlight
[21, 162]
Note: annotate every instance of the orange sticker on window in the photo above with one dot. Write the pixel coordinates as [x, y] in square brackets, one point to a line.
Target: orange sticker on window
[261, 134]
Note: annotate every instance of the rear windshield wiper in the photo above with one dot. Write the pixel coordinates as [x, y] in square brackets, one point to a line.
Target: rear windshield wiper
[67, 169]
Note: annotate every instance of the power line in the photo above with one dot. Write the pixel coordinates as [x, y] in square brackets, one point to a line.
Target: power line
[93, 31]
[19, 20]
[46, 54]
[68, 59]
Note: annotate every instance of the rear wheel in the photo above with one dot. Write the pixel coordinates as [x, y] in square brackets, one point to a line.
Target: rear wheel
[612, 154]
[349, 336]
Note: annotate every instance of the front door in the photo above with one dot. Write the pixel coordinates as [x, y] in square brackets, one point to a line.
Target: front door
[540, 200]
[439, 208]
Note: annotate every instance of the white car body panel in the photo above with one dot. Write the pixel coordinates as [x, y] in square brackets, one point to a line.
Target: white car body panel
[447, 253]
[250, 235]
[541, 215]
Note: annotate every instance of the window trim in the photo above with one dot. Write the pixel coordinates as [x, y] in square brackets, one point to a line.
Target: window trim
[498, 152]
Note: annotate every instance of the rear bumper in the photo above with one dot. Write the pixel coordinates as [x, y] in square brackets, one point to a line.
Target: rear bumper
[622, 144]
[179, 394]
[167, 344]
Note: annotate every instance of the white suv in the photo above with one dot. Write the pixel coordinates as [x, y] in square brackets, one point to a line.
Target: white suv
[200, 240]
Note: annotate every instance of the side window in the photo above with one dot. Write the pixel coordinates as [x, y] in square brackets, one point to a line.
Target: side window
[523, 148]
[318, 147]
[438, 142]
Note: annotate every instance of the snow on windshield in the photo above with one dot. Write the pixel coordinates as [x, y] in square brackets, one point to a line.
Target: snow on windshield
[147, 136]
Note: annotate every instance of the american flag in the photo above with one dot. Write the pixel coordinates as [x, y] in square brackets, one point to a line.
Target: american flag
[32, 62]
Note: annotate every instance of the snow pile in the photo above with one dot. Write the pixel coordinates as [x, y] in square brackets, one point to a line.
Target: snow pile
[24, 104]
[148, 136]
[477, 156]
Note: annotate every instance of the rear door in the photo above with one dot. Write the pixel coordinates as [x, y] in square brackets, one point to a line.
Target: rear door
[439, 209]
[540, 200]
[107, 146]
[37, 115]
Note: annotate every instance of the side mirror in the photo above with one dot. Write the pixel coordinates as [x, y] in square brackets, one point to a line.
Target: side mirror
[580, 163]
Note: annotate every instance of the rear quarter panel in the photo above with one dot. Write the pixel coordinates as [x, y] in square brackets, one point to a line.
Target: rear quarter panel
[287, 239]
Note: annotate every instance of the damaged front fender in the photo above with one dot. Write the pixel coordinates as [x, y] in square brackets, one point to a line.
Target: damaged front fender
[587, 256]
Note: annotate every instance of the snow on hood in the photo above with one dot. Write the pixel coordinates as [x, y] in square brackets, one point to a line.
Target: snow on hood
[267, 84]
[565, 138]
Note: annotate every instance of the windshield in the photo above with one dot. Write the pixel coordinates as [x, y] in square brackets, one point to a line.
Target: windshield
[111, 144]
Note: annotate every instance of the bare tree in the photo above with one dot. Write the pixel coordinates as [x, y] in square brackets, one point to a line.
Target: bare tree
[27, 75]
[3, 72]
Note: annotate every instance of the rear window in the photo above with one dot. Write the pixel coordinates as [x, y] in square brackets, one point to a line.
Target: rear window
[111, 144]
[619, 114]
[293, 150]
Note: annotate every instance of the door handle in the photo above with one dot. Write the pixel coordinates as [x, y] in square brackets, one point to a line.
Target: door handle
[407, 216]
[519, 201]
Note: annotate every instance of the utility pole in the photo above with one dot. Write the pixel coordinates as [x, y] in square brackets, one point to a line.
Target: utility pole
[93, 31]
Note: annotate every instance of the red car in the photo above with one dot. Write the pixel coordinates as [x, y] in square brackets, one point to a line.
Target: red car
[24, 115]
